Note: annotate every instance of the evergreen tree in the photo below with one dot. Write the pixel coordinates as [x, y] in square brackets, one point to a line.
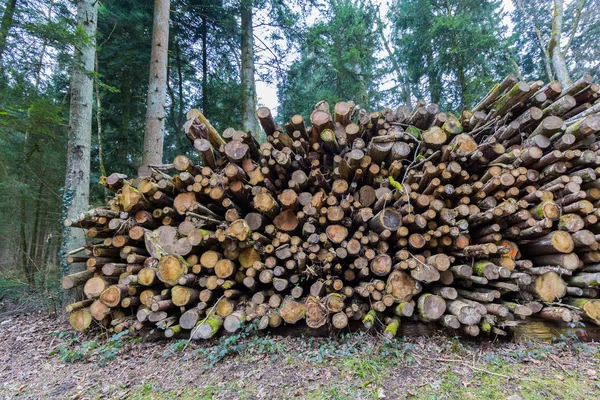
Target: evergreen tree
[6, 24]
[201, 70]
[337, 61]
[157, 88]
[33, 109]
[283, 20]
[124, 46]
[453, 50]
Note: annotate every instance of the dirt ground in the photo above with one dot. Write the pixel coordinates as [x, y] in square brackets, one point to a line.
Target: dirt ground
[41, 357]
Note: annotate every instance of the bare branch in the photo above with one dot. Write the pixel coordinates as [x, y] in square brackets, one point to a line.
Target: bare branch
[268, 48]
[538, 33]
[578, 10]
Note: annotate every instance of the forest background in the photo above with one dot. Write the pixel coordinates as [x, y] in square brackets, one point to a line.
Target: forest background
[226, 58]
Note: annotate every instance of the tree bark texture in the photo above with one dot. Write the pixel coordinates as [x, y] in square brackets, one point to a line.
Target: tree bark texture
[5, 25]
[157, 87]
[554, 48]
[77, 183]
[248, 82]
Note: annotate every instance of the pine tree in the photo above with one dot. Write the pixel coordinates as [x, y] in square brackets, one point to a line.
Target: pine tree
[452, 49]
[6, 24]
[157, 88]
[337, 61]
[248, 98]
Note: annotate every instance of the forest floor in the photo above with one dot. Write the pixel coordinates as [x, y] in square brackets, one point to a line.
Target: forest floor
[41, 357]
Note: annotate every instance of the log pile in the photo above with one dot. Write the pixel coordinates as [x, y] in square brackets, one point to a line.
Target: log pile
[473, 222]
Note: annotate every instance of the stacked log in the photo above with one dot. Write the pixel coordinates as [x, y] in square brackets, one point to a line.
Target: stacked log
[473, 222]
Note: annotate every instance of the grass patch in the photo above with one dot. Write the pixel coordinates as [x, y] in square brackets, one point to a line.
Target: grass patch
[364, 363]
[528, 385]
[202, 391]
[148, 391]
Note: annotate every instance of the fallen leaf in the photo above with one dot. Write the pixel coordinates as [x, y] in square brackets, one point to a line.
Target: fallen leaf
[591, 373]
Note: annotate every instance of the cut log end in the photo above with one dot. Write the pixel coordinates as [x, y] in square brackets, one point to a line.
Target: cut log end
[550, 287]
[170, 269]
[431, 307]
[80, 320]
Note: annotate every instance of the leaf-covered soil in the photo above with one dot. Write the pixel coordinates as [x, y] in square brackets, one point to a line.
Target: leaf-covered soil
[40, 357]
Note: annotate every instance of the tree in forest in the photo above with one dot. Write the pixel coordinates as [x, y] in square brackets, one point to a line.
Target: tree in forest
[585, 46]
[452, 49]
[203, 69]
[124, 47]
[337, 60]
[6, 24]
[157, 88]
[205, 56]
[77, 182]
[412, 23]
[546, 31]
[396, 67]
[32, 135]
[282, 20]
[247, 72]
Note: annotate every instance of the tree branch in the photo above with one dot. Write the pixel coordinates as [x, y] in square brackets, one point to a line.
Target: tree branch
[538, 33]
[557, 20]
[278, 63]
[580, 5]
[401, 77]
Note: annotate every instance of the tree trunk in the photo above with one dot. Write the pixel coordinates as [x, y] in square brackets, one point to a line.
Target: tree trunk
[558, 58]
[23, 244]
[99, 123]
[49, 250]
[181, 114]
[35, 233]
[77, 182]
[397, 69]
[157, 88]
[176, 118]
[462, 82]
[406, 91]
[7, 23]
[126, 95]
[435, 88]
[248, 83]
[38, 256]
[204, 65]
